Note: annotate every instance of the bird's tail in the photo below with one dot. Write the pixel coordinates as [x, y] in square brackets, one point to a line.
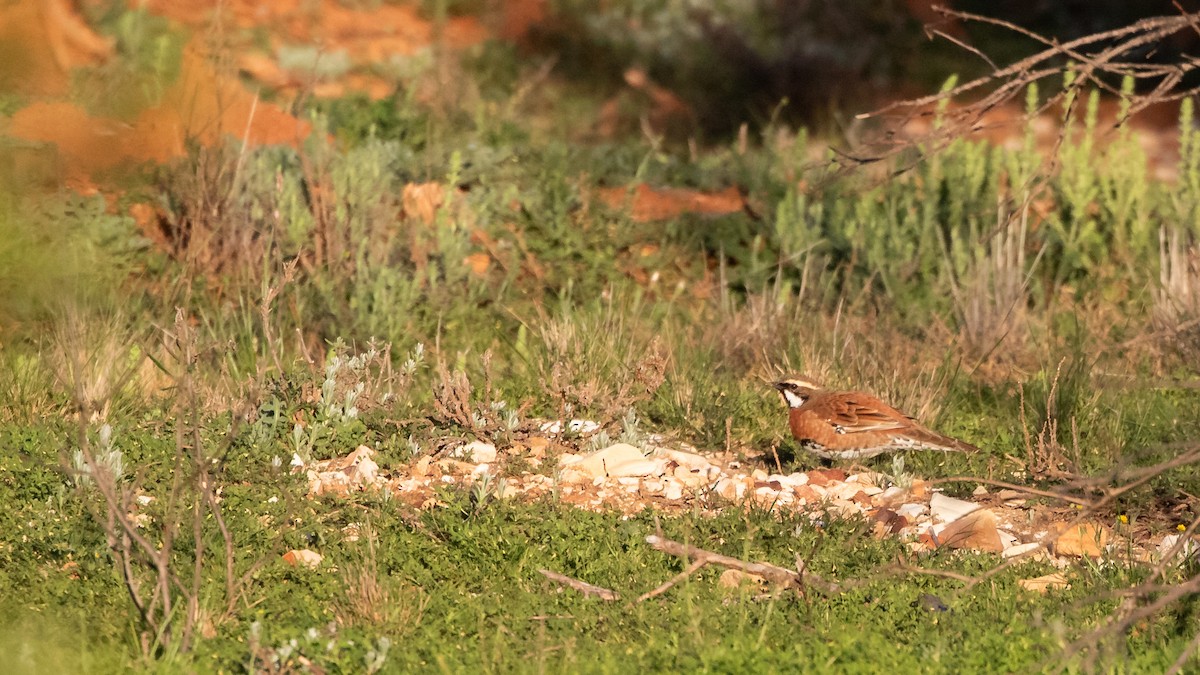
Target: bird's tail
[932, 440]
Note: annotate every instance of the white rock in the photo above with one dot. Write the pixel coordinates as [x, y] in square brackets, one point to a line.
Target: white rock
[577, 426]
[662, 465]
[845, 509]
[871, 480]
[617, 460]
[798, 478]
[949, 509]
[1169, 541]
[691, 461]
[979, 491]
[420, 468]
[843, 490]
[912, 511]
[573, 477]
[455, 466]
[475, 451]
[1007, 539]
[364, 472]
[731, 488]
[893, 493]
[673, 491]
[641, 467]
[1020, 549]
[302, 558]
[689, 477]
[767, 498]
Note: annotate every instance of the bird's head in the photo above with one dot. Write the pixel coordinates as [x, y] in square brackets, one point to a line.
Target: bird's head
[796, 390]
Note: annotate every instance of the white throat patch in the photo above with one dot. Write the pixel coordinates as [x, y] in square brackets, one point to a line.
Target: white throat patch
[794, 400]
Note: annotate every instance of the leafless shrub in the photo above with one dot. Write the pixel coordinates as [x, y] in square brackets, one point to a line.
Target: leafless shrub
[460, 403]
[248, 217]
[206, 226]
[991, 294]
[1045, 456]
[1176, 310]
[166, 587]
[453, 396]
[1100, 60]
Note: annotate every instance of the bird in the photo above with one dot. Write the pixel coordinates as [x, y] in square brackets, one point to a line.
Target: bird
[854, 425]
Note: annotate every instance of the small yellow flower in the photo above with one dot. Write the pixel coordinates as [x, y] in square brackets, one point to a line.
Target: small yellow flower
[1123, 518]
[1181, 527]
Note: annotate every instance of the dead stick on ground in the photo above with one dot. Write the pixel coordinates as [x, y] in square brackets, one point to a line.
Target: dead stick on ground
[582, 586]
[773, 573]
[666, 586]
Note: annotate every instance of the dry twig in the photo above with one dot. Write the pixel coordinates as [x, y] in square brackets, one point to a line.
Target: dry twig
[773, 573]
[667, 585]
[1095, 60]
[581, 586]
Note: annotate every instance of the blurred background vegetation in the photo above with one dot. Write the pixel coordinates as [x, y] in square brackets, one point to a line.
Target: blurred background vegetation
[637, 213]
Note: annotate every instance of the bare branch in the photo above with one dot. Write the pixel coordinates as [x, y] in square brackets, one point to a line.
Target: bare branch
[581, 586]
[773, 573]
[667, 585]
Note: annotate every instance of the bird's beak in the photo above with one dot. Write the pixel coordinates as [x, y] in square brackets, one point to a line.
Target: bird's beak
[780, 386]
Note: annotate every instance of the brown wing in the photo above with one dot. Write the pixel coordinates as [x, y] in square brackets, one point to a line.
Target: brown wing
[861, 414]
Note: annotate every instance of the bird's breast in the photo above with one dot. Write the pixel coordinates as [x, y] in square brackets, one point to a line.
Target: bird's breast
[807, 426]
